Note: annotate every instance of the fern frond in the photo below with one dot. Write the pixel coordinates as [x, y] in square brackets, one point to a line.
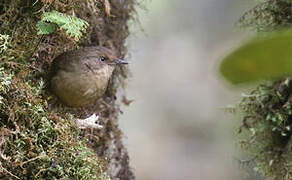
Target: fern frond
[73, 26]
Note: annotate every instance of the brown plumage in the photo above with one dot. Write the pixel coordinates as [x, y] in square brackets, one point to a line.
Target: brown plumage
[80, 77]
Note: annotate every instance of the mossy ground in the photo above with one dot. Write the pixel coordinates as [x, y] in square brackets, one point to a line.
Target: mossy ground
[39, 138]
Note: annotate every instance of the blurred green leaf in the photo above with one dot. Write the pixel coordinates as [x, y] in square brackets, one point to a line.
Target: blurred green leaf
[267, 57]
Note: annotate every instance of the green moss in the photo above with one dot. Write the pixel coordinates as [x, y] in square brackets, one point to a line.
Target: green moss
[37, 143]
[266, 126]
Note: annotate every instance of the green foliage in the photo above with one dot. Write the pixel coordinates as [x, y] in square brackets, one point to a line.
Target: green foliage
[265, 57]
[46, 28]
[72, 25]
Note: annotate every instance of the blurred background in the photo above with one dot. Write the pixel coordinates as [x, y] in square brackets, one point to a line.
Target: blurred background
[176, 128]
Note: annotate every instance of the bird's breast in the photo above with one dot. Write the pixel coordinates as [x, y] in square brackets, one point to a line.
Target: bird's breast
[80, 88]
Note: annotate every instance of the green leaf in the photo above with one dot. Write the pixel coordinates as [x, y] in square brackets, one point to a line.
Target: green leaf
[267, 57]
[45, 28]
[73, 26]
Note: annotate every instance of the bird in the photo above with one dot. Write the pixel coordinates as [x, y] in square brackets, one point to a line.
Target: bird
[80, 77]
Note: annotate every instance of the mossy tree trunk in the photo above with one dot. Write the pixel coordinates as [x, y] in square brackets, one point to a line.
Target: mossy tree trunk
[267, 114]
[39, 138]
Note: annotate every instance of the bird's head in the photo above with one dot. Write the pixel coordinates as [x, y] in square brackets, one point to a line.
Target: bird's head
[107, 56]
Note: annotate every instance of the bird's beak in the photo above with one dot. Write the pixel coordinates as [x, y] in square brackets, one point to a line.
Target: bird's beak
[122, 61]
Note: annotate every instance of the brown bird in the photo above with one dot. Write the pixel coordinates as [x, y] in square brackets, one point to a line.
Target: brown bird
[80, 77]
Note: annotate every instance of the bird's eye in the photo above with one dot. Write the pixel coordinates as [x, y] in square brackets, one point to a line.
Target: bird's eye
[102, 58]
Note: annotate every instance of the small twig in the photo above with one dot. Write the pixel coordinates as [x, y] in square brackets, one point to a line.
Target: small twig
[38, 157]
[107, 6]
[8, 172]
[20, 64]
[42, 170]
[35, 2]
